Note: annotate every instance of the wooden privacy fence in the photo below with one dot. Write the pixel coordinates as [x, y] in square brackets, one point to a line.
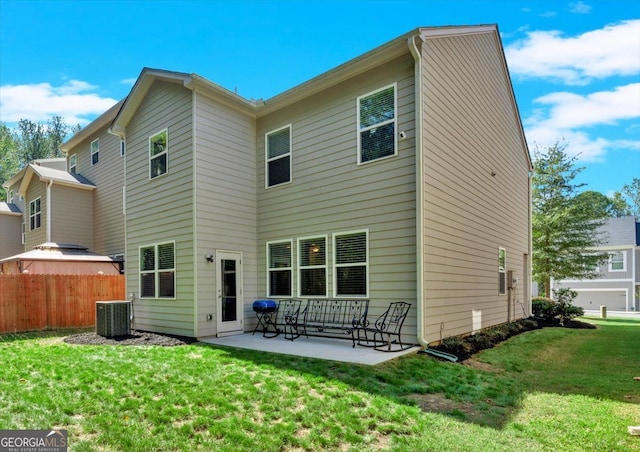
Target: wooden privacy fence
[38, 302]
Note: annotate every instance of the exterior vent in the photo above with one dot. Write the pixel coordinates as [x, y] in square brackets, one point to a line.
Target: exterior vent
[113, 318]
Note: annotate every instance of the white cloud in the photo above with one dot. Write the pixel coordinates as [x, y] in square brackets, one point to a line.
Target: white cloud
[128, 81]
[609, 51]
[74, 101]
[569, 114]
[579, 7]
[569, 110]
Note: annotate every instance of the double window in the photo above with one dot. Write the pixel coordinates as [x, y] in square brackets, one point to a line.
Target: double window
[617, 261]
[34, 214]
[158, 270]
[95, 151]
[377, 119]
[350, 266]
[158, 154]
[278, 156]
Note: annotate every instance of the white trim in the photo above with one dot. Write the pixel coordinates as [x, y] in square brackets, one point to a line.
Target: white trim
[502, 270]
[267, 159]
[359, 264]
[325, 266]
[164, 152]
[593, 281]
[393, 121]
[268, 262]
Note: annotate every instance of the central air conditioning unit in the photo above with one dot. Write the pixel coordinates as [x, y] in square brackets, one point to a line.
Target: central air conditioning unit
[113, 318]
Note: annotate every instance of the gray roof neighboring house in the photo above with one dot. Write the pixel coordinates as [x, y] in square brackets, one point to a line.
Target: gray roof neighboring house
[622, 231]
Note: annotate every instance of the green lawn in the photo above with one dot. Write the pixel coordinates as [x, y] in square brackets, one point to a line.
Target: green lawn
[552, 389]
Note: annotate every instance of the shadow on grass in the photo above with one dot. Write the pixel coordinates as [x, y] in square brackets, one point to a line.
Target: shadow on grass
[486, 394]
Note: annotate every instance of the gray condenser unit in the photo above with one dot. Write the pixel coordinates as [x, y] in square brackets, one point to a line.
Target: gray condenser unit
[113, 318]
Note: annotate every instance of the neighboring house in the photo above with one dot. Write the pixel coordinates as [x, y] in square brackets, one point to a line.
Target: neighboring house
[618, 284]
[98, 156]
[402, 174]
[56, 206]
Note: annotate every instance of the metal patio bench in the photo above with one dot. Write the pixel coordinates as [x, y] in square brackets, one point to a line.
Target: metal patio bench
[386, 330]
[326, 316]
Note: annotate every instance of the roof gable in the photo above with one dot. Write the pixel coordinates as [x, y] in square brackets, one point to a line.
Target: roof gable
[54, 176]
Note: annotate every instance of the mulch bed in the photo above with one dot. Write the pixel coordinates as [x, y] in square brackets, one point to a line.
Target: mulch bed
[135, 338]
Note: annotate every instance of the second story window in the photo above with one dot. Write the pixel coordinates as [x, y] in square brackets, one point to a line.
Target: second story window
[95, 151]
[377, 124]
[158, 154]
[278, 156]
[617, 261]
[34, 214]
[73, 160]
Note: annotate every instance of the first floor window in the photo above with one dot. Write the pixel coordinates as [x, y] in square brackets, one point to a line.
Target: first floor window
[280, 268]
[313, 266]
[502, 271]
[351, 264]
[34, 214]
[95, 151]
[158, 154]
[616, 261]
[157, 271]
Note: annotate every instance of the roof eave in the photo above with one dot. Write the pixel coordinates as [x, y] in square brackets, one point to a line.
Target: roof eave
[98, 123]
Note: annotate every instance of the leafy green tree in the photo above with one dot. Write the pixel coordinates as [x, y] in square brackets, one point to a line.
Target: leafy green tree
[9, 160]
[604, 206]
[619, 206]
[565, 226]
[632, 193]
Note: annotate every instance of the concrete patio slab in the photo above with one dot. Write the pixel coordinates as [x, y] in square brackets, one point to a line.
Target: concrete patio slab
[311, 347]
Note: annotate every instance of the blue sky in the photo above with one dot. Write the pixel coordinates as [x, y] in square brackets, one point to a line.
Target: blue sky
[574, 64]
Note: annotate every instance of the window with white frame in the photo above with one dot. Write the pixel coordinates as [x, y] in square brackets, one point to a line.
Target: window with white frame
[617, 261]
[73, 161]
[280, 268]
[24, 232]
[278, 156]
[158, 270]
[95, 151]
[158, 154]
[502, 271]
[34, 214]
[377, 118]
[312, 263]
[351, 264]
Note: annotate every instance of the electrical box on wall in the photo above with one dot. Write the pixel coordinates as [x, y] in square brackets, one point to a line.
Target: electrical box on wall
[512, 281]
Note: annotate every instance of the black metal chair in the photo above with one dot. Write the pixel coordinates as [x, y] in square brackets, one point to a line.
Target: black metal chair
[386, 330]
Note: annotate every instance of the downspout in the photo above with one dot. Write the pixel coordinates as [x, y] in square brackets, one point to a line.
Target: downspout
[419, 191]
[49, 185]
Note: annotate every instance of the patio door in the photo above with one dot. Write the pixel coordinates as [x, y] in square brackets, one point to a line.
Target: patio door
[229, 291]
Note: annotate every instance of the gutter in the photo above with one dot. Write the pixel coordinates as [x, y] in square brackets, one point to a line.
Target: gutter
[419, 191]
[49, 185]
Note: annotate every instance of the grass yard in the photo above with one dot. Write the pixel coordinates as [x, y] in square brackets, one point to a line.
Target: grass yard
[551, 389]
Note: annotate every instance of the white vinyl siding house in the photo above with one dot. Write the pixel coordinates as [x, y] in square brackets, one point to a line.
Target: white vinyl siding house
[617, 284]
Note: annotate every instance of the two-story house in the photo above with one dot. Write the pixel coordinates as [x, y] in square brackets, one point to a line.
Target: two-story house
[618, 283]
[402, 174]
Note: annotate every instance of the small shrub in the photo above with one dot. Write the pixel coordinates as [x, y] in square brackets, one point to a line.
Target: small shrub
[543, 307]
[565, 310]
